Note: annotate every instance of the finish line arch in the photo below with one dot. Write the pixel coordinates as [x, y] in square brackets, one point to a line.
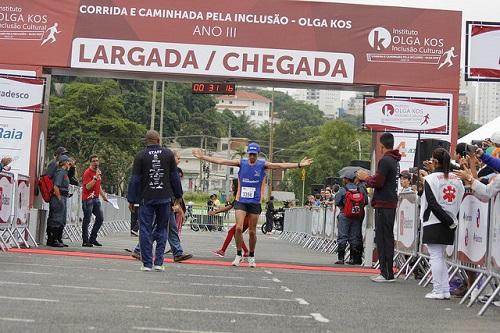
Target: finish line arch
[391, 50]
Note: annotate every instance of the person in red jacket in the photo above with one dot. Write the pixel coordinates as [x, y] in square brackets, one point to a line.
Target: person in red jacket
[385, 201]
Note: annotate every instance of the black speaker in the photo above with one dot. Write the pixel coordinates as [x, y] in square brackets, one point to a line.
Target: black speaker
[316, 188]
[330, 181]
[425, 147]
[363, 164]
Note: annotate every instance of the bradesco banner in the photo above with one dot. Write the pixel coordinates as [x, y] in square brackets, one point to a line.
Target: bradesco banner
[21, 93]
[473, 231]
[406, 222]
[411, 115]
[495, 233]
[482, 61]
[249, 39]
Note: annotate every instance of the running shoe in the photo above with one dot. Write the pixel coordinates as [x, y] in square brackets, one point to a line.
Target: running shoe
[434, 295]
[136, 255]
[237, 261]
[145, 269]
[447, 295]
[380, 279]
[219, 253]
[251, 262]
[159, 268]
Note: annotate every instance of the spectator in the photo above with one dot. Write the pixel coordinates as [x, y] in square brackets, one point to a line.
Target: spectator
[317, 200]
[72, 173]
[310, 201]
[349, 227]
[4, 164]
[439, 219]
[385, 200]
[154, 182]
[53, 164]
[329, 199]
[91, 204]
[405, 182]
[480, 190]
[335, 189]
[57, 205]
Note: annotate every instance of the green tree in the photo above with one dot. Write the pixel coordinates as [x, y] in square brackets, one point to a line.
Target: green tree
[465, 127]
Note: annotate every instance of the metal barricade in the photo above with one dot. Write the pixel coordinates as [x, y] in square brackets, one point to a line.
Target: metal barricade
[7, 184]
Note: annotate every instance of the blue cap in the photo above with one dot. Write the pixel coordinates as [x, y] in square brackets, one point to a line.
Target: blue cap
[253, 148]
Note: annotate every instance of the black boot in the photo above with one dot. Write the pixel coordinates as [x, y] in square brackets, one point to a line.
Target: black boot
[50, 236]
[352, 256]
[341, 255]
[60, 235]
[358, 258]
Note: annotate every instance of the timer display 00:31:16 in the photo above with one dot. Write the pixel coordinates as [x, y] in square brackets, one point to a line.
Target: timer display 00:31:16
[213, 88]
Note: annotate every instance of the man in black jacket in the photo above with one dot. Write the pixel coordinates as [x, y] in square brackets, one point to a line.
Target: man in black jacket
[154, 183]
[385, 201]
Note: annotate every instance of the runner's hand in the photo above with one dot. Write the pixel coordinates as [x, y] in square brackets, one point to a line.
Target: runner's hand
[306, 162]
[197, 153]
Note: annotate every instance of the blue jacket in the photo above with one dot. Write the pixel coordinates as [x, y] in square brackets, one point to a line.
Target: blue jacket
[491, 161]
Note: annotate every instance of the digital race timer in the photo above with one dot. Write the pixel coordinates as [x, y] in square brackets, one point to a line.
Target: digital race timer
[213, 88]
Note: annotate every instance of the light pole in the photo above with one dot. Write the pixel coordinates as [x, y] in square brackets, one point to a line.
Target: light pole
[271, 143]
[359, 148]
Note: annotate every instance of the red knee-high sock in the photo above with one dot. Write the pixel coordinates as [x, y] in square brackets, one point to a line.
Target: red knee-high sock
[229, 238]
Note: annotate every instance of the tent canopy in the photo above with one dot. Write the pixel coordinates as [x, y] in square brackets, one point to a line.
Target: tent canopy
[482, 132]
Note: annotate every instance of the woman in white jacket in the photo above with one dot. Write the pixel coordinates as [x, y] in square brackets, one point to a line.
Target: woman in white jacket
[481, 191]
[441, 199]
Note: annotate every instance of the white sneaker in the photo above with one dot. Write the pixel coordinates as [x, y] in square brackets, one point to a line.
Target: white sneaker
[237, 261]
[434, 295]
[251, 262]
[447, 295]
[159, 268]
[380, 279]
[145, 269]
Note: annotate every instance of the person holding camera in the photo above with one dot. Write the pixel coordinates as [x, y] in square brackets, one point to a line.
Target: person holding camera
[91, 191]
[441, 200]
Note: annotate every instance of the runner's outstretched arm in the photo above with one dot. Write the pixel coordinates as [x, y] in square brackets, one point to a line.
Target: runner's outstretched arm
[290, 165]
[199, 155]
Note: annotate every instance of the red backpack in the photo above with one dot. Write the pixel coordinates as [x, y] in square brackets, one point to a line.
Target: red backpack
[46, 186]
[354, 204]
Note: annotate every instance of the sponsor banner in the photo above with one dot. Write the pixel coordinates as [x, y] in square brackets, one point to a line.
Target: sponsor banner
[22, 201]
[407, 223]
[15, 139]
[21, 93]
[472, 231]
[495, 233]
[6, 195]
[413, 115]
[390, 45]
[482, 61]
[213, 60]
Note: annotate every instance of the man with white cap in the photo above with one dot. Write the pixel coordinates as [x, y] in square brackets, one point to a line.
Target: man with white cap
[251, 178]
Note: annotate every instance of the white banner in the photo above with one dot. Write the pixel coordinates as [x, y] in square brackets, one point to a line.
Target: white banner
[212, 60]
[495, 233]
[22, 201]
[473, 231]
[6, 195]
[21, 93]
[15, 139]
[406, 115]
[483, 51]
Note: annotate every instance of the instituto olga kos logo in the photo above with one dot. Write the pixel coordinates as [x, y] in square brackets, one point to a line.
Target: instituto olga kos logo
[379, 38]
[388, 110]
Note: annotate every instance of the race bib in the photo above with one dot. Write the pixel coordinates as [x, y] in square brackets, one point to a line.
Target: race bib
[247, 192]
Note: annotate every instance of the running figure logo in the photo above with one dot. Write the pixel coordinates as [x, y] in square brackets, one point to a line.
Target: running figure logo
[52, 34]
[449, 55]
[426, 120]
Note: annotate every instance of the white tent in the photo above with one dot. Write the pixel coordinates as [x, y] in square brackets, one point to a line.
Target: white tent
[482, 132]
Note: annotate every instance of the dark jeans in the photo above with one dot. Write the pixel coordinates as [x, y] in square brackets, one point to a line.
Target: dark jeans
[269, 222]
[92, 206]
[57, 212]
[384, 238]
[349, 230]
[157, 216]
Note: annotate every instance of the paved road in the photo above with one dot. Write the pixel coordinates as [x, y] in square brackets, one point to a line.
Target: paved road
[59, 293]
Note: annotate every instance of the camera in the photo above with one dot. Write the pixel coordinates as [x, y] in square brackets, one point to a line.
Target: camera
[413, 170]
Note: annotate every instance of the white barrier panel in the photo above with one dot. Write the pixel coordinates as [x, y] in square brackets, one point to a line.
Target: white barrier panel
[472, 231]
[316, 221]
[22, 201]
[74, 206]
[6, 202]
[407, 223]
[330, 223]
[495, 235]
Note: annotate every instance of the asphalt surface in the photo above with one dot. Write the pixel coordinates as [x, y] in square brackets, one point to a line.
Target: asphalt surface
[60, 293]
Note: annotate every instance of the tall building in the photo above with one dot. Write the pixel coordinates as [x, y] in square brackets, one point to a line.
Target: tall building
[255, 106]
[488, 102]
[328, 101]
[467, 99]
